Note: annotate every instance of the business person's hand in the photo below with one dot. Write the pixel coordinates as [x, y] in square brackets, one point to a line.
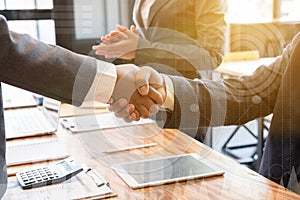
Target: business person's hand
[119, 44]
[138, 106]
[113, 37]
[143, 102]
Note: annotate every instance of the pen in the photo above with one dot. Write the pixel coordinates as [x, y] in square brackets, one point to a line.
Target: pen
[98, 184]
[130, 148]
[98, 179]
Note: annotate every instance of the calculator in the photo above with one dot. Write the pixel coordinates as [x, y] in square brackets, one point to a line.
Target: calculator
[48, 175]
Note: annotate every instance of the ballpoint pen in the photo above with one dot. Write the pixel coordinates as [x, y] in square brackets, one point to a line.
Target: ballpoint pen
[130, 148]
[95, 179]
[98, 179]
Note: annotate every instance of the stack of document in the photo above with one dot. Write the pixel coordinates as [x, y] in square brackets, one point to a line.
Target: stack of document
[81, 186]
[34, 150]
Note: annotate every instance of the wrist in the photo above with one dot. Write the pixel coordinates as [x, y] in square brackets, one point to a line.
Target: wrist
[168, 97]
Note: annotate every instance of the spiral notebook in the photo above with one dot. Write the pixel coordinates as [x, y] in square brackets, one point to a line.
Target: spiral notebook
[34, 150]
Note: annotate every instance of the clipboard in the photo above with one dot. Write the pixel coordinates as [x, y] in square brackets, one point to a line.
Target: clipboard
[98, 122]
[81, 186]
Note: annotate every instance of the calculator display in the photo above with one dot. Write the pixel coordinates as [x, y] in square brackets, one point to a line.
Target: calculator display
[66, 166]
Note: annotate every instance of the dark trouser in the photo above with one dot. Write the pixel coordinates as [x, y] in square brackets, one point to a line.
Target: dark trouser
[281, 159]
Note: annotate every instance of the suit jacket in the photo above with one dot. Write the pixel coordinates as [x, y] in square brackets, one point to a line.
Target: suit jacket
[188, 35]
[45, 69]
[232, 101]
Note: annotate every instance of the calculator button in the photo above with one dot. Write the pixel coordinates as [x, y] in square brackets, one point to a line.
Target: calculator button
[29, 182]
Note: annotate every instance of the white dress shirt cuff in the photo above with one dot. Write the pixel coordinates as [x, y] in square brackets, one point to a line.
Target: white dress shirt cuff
[103, 84]
[169, 102]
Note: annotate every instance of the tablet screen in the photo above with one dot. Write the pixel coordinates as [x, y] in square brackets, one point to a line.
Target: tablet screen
[168, 168]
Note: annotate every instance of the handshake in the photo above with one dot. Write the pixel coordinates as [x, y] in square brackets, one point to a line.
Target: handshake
[138, 92]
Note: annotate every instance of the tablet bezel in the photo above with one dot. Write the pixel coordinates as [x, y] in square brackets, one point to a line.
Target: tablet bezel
[131, 182]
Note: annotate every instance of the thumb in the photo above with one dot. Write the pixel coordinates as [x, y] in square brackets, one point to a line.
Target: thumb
[146, 76]
[133, 29]
[142, 77]
[122, 28]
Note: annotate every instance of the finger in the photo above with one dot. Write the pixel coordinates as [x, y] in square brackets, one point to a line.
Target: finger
[142, 77]
[118, 105]
[137, 115]
[149, 105]
[114, 33]
[114, 47]
[121, 36]
[103, 38]
[153, 109]
[155, 96]
[108, 40]
[107, 50]
[146, 102]
[126, 112]
[110, 101]
[122, 28]
[96, 47]
[112, 55]
[114, 39]
[144, 112]
[133, 29]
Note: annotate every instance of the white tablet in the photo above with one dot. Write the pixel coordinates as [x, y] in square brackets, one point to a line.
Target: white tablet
[159, 171]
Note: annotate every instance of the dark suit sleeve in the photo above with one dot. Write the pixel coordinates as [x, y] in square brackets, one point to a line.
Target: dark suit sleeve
[231, 101]
[45, 69]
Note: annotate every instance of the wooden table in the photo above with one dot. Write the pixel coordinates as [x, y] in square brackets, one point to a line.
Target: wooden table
[238, 182]
[242, 68]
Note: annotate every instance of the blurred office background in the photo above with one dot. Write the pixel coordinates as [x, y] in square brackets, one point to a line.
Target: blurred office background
[265, 26]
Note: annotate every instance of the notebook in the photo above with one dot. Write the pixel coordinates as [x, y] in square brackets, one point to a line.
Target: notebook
[26, 122]
[11, 97]
[34, 150]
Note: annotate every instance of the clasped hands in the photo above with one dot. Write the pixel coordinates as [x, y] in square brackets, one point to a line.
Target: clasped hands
[121, 43]
[138, 92]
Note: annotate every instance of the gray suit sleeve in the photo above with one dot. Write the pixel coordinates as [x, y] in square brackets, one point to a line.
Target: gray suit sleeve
[45, 69]
[230, 101]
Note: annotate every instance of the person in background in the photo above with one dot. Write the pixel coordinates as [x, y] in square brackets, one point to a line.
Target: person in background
[270, 89]
[173, 36]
